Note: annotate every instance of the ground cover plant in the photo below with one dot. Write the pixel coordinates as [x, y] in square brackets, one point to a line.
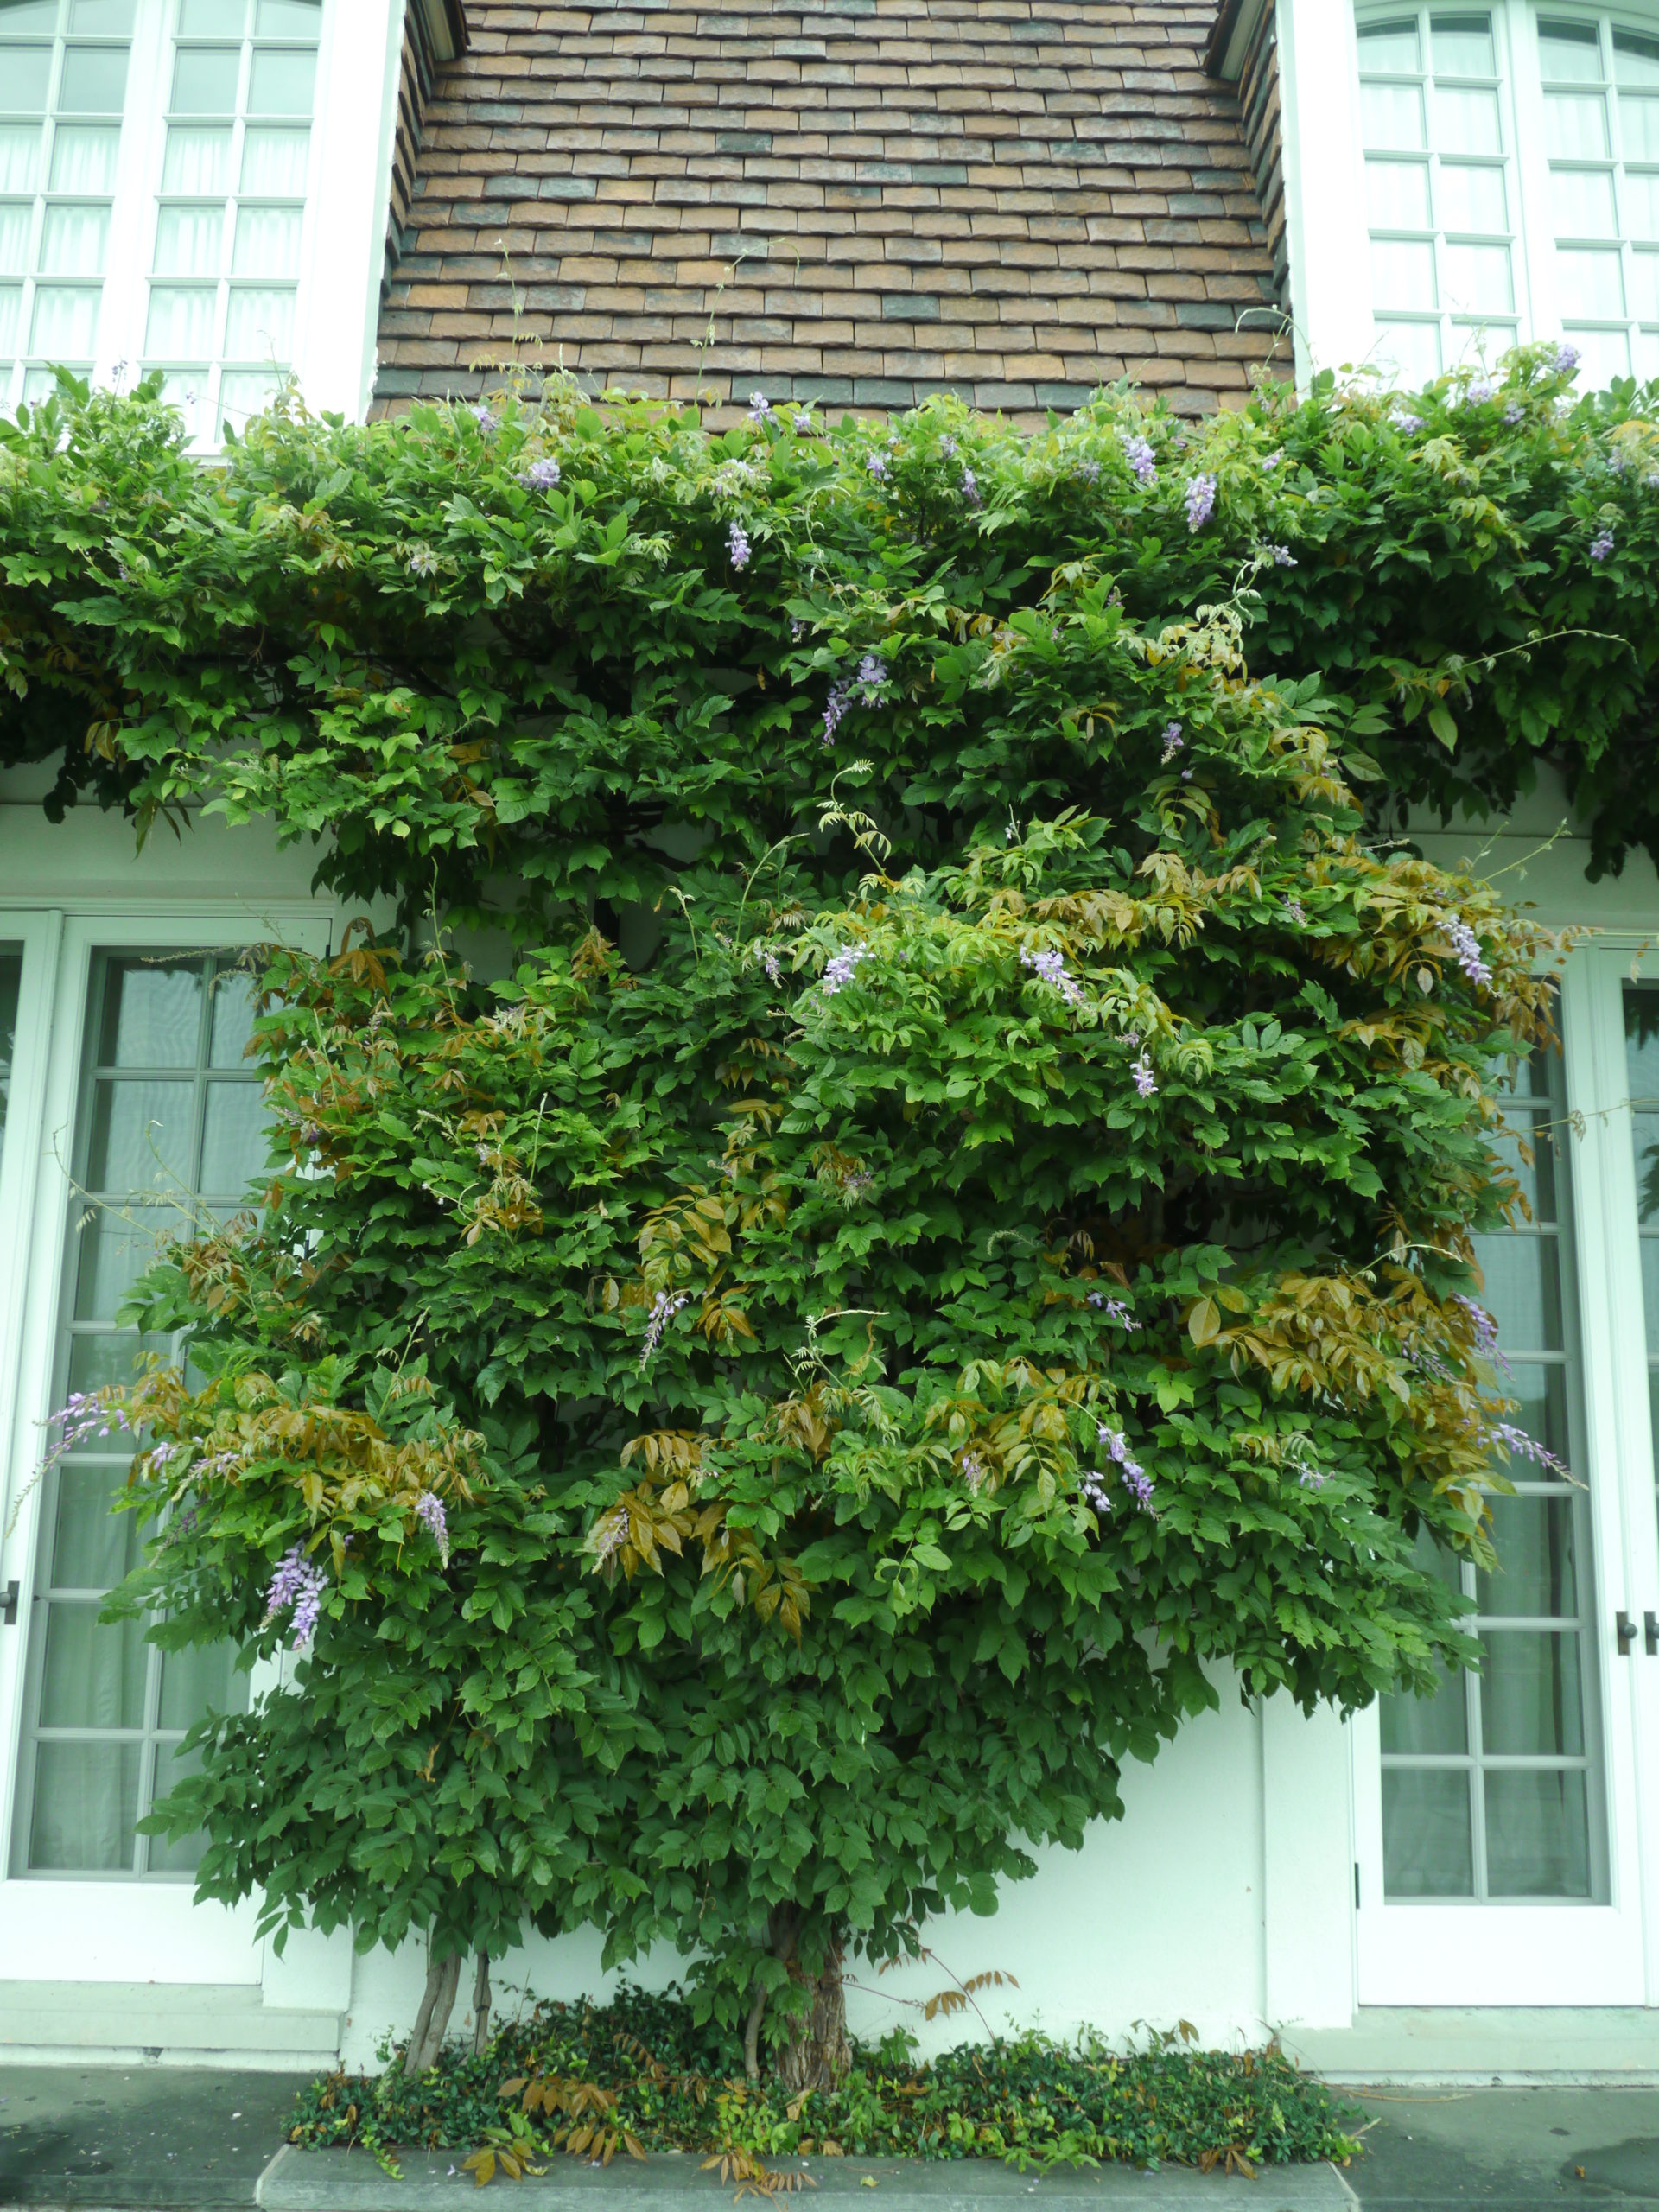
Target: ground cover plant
[880, 1207]
[641, 2074]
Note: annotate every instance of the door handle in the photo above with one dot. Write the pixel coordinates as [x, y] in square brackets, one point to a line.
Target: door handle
[1650, 1634]
[1624, 1630]
[9, 1598]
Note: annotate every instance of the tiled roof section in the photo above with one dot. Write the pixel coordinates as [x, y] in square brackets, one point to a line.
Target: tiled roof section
[854, 201]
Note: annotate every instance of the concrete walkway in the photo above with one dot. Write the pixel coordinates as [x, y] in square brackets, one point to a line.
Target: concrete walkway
[164, 2140]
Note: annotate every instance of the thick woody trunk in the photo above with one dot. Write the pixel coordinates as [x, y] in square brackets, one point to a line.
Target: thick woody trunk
[432, 2021]
[812, 2052]
[481, 2005]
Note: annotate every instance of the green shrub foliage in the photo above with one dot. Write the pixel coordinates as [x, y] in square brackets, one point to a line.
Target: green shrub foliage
[945, 1240]
[651, 2077]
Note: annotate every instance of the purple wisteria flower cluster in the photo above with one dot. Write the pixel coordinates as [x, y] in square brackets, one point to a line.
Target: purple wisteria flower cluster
[1466, 945]
[867, 687]
[1601, 545]
[838, 968]
[1481, 389]
[84, 1414]
[759, 407]
[1133, 1476]
[1295, 911]
[1520, 1446]
[879, 467]
[1200, 497]
[542, 475]
[1485, 1329]
[970, 487]
[663, 1310]
[1172, 741]
[297, 1588]
[1146, 1082]
[972, 1468]
[1281, 556]
[1404, 419]
[737, 546]
[485, 418]
[1565, 359]
[1050, 969]
[1115, 1310]
[1137, 451]
[421, 561]
[429, 1507]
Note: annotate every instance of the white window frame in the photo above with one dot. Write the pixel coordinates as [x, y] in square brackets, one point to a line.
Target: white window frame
[1326, 211]
[122, 1927]
[343, 238]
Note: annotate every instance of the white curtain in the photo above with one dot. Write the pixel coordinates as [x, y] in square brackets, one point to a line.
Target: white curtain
[274, 161]
[189, 241]
[261, 326]
[20, 150]
[72, 240]
[198, 160]
[267, 242]
[84, 157]
[180, 323]
[14, 239]
[65, 321]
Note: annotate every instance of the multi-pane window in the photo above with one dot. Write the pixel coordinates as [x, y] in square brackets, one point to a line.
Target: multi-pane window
[1490, 1789]
[63, 83]
[1440, 187]
[169, 1130]
[1601, 137]
[224, 282]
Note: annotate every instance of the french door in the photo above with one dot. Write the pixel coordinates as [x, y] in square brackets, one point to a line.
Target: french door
[1505, 1828]
[142, 1117]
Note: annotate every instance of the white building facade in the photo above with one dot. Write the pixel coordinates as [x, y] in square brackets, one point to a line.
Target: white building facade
[1468, 1887]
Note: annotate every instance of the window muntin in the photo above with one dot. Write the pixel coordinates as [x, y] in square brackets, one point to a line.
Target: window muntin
[63, 79]
[170, 1126]
[224, 268]
[1440, 187]
[1600, 85]
[1491, 1789]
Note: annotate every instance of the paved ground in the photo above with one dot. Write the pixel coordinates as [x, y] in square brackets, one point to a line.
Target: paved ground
[157, 2137]
[138, 2136]
[1508, 2150]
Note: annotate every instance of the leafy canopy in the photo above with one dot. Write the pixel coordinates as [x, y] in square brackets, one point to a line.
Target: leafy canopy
[950, 1227]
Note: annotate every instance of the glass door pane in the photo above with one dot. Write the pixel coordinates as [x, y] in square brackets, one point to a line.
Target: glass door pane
[1492, 1789]
[170, 1129]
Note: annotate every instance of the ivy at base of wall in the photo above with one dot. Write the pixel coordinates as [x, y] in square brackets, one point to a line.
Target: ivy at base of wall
[641, 2068]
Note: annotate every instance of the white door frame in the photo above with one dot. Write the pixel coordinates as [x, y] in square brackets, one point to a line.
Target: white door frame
[1435, 1953]
[82, 1927]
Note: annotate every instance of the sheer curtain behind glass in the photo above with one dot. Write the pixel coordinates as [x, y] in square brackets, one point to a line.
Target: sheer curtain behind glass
[1440, 187]
[170, 1124]
[63, 80]
[225, 276]
[1491, 1789]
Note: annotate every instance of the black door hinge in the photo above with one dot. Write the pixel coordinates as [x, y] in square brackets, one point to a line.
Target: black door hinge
[9, 1598]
